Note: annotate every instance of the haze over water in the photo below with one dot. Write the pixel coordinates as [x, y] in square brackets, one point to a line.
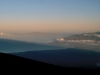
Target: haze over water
[35, 37]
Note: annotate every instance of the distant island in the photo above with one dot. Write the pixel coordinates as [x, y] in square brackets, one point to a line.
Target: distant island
[84, 41]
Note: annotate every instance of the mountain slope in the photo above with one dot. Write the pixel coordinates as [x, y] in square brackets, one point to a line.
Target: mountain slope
[67, 57]
[18, 64]
[9, 60]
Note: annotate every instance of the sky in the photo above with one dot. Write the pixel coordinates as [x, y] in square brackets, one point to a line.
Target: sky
[61, 16]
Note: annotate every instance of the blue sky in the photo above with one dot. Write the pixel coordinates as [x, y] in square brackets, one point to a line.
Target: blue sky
[23, 12]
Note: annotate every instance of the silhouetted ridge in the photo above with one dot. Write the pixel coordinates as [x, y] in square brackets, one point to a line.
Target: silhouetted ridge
[9, 62]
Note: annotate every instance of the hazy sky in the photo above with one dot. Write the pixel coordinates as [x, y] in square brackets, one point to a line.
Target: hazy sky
[49, 15]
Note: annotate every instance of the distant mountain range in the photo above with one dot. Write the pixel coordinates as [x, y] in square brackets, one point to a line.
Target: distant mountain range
[85, 37]
[84, 40]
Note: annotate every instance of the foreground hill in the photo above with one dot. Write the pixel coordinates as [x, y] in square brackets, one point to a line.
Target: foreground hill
[18, 64]
[15, 64]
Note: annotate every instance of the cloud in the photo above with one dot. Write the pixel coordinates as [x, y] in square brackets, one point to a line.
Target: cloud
[2, 34]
